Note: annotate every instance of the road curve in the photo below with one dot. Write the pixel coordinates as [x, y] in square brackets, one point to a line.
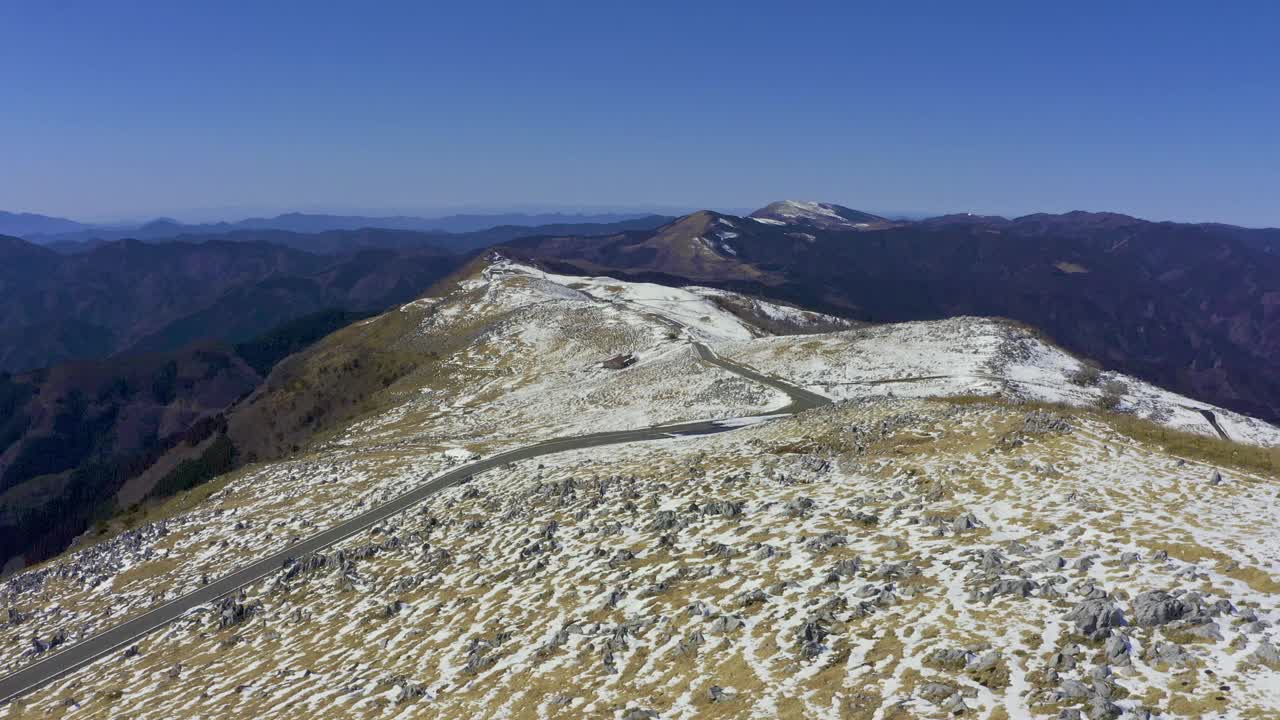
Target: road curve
[86, 651]
[801, 399]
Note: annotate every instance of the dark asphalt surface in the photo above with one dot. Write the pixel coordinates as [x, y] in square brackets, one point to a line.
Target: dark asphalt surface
[121, 636]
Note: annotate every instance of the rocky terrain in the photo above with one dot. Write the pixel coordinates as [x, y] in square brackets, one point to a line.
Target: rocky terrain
[938, 541]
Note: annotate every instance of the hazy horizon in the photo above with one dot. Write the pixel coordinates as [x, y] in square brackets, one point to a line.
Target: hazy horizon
[198, 216]
[1005, 108]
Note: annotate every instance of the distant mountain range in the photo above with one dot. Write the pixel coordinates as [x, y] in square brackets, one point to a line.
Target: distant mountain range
[44, 230]
[341, 241]
[31, 224]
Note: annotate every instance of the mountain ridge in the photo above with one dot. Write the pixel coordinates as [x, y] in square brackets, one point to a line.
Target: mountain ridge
[298, 222]
[1129, 292]
[19, 224]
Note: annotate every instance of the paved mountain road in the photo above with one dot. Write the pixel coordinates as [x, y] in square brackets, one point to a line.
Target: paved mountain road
[84, 652]
[801, 399]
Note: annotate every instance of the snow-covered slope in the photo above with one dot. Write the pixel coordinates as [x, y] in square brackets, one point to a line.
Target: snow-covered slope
[975, 356]
[706, 314]
[951, 357]
[898, 554]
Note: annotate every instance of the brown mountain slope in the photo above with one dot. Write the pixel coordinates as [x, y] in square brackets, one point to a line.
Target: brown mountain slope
[80, 441]
[158, 297]
[74, 434]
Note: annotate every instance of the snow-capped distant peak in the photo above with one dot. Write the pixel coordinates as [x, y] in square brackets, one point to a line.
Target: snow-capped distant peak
[808, 208]
[825, 216]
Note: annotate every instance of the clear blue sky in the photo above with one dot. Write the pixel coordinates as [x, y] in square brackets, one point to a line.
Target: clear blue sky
[1161, 109]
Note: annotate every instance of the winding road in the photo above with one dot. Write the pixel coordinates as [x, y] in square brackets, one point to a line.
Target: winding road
[84, 652]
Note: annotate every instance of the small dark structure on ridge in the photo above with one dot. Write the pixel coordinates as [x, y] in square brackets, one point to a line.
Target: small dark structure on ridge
[617, 362]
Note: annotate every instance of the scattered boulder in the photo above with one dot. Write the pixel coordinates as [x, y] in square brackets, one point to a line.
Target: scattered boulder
[952, 658]
[1167, 654]
[812, 637]
[989, 670]
[1157, 607]
[1118, 647]
[1097, 699]
[896, 570]
[815, 464]
[1064, 659]
[1073, 690]
[654, 590]
[1208, 630]
[991, 560]
[478, 657]
[1042, 421]
[824, 542]
[725, 623]
[664, 520]
[1268, 655]
[407, 691]
[967, 521]
[620, 557]
[1095, 617]
[691, 642]
[946, 697]
[862, 517]
[844, 569]
[1017, 587]
[1054, 562]
[723, 508]
[799, 506]
[233, 611]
